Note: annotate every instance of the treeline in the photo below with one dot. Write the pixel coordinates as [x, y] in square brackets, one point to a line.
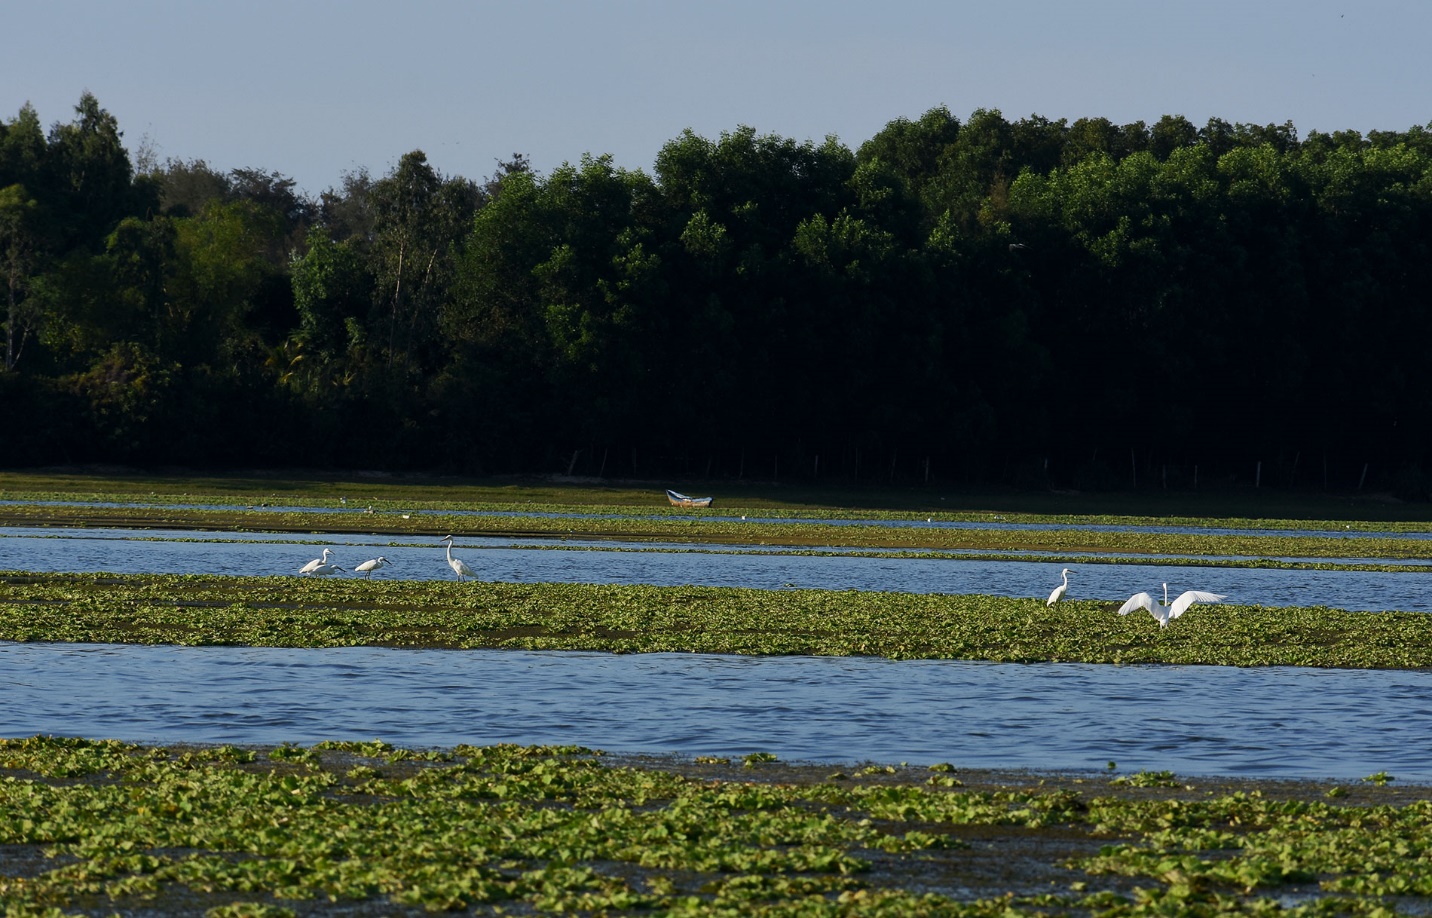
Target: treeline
[1037, 302]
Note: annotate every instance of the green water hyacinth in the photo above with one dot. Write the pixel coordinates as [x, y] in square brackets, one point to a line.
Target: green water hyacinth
[638, 524]
[103, 827]
[291, 612]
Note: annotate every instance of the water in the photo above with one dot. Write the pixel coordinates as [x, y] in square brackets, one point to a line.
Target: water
[553, 561]
[1194, 721]
[1190, 720]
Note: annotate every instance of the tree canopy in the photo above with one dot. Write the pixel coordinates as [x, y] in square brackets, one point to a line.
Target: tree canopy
[1039, 302]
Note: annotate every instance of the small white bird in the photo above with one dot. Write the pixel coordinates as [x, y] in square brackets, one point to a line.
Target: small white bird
[324, 570]
[458, 565]
[313, 566]
[1166, 613]
[368, 567]
[1060, 590]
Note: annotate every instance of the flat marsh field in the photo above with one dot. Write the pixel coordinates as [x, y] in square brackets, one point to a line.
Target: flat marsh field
[97, 827]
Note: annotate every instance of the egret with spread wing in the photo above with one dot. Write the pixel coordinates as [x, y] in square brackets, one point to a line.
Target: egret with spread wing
[1060, 590]
[1164, 612]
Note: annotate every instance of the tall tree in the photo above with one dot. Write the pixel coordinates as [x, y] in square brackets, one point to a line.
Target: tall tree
[18, 250]
[419, 217]
[24, 230]
[187, 186]
[92, 176]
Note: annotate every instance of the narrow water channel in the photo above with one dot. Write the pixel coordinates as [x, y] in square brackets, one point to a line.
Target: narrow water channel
[533, 561]
[1194, 721]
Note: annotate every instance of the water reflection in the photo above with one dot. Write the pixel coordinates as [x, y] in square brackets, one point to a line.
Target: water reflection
[1191, 720]
[534, 561]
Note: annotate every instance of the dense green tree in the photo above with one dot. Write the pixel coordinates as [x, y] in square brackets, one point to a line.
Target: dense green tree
[1091, 136]
[418, 217]
[25, 229]
[22, 150]
[1171, 133]
[347, 213]
[1035, 301]
[913, 149]
[332, 294]
[187, 186]
[91, 176]
[19, 220]
[225, 258]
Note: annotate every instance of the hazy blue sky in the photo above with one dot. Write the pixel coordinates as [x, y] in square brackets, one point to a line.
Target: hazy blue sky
[314, 89]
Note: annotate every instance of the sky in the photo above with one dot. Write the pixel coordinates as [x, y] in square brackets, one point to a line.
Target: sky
[315, 89]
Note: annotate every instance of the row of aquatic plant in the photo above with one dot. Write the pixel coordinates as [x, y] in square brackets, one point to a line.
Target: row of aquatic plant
[1225, 509]
[294, 612]
[104, 827]
[692, 529]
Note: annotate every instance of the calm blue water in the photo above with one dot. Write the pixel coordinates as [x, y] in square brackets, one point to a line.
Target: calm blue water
[1190, 720]
[532, 561]
[1194, 721]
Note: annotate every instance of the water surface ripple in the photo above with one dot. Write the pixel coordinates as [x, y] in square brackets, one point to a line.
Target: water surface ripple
[552, 561]
[1194, 721]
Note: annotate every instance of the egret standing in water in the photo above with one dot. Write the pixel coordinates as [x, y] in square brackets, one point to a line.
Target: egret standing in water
[457, 564]
[1060, 590]
[368, 567]
[313, 566]
[324, 570]
[1166, 613]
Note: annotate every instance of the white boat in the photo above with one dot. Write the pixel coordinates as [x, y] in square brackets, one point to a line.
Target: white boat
[681, 500]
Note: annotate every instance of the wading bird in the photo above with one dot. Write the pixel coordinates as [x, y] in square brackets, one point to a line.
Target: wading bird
[313, 566]
[1165, 612]
[1060, 590]
[457, 564]
[324, 570]
[368, 567]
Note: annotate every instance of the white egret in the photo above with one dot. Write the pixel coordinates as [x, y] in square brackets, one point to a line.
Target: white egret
[368, 567]
[313, 566]
[457, 564]
[324, 570]
[1166, 613]
[1060, 590]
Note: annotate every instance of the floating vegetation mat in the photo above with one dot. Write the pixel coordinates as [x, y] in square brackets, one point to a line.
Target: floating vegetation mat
[362, 828]
[299, 612]
[686, 528]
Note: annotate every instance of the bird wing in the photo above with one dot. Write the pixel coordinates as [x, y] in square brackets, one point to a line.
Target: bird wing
[1187, 599]
[1058, 594]
[1138, 601]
